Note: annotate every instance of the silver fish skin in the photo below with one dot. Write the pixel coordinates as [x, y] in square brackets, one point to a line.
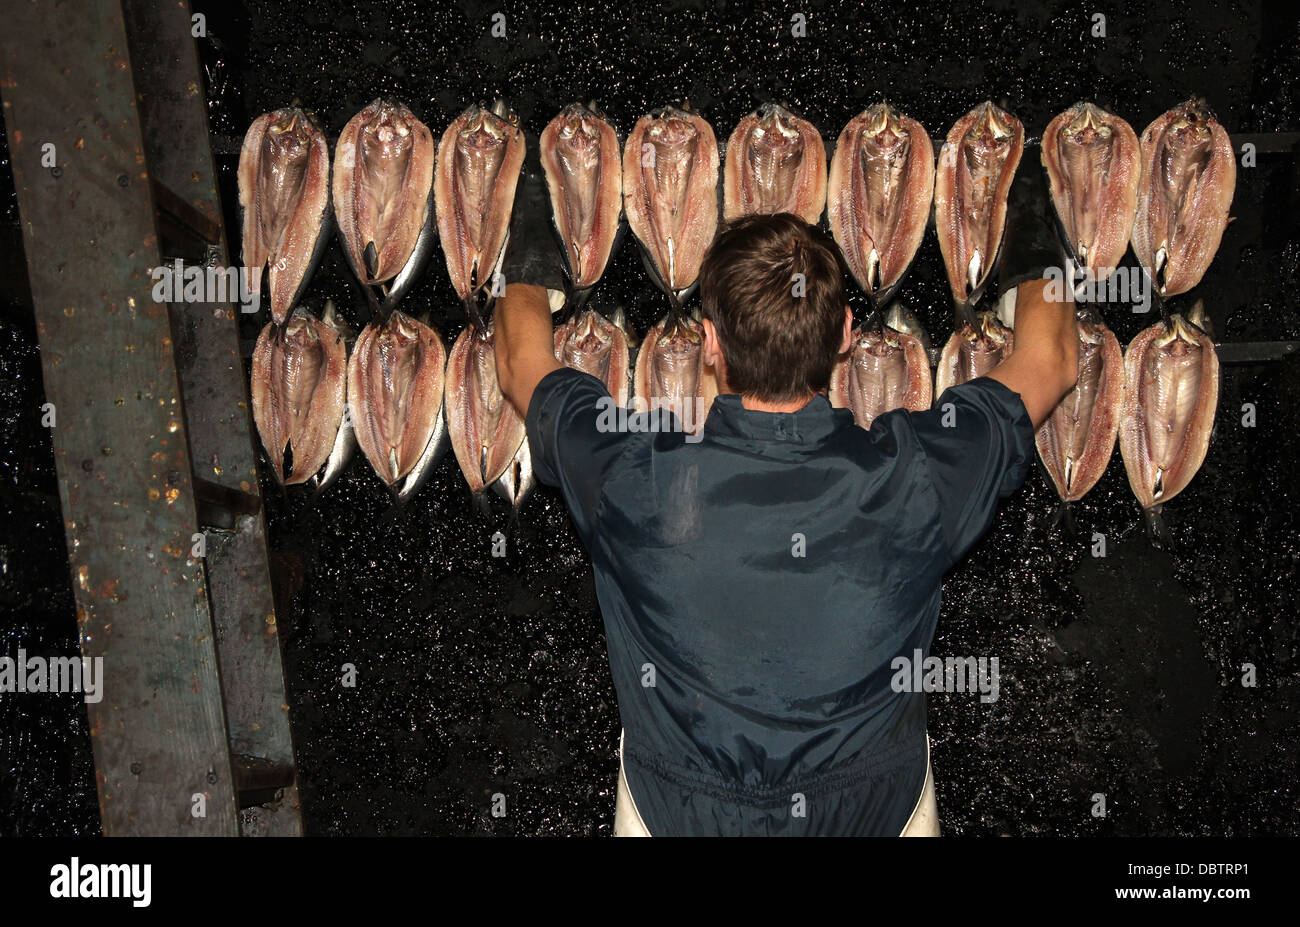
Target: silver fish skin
[284, 197]
[345, 442]
[516, 484]
[434, 451]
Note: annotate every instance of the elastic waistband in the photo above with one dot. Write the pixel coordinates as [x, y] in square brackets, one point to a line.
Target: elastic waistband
[875, 765]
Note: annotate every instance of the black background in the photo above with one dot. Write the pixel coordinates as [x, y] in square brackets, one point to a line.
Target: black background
[479, 675]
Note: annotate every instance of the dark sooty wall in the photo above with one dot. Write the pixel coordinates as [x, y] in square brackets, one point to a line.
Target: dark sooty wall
[1120, 675]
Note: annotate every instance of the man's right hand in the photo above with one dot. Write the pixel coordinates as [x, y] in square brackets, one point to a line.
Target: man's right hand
[1044, 365]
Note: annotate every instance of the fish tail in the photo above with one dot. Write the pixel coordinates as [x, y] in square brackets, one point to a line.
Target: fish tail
[964, 315]
[1064, 517]
[676, 308]
[875, 320]
[575, 300]
[475, 314]
[376, 309]
[1157, 530]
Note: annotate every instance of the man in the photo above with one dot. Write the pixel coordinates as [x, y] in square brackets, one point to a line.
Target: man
[756, 585]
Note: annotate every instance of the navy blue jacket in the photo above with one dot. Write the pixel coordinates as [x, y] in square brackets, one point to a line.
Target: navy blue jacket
[757, 583]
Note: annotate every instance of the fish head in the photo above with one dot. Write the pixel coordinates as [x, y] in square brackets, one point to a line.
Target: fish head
[300, 330]
[774, 128]
[1188, 141]
[883, 125]
[876, 342]
[289, 137]
[1191, 123]
[386, 132]
[1088, 126]
[672, 130]
[589, 342]
[489, 126]
[579, 134]
[991, 135]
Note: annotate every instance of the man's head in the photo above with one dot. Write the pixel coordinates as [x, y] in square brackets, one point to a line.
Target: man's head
[775, 309]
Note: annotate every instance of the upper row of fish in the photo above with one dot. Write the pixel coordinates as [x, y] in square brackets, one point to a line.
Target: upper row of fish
[392, 190]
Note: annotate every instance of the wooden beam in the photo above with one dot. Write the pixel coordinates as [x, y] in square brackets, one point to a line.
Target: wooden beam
[120, 441]
[174, 120]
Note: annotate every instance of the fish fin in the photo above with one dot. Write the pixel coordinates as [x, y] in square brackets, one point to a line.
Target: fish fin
[286, 463]
[371, 257]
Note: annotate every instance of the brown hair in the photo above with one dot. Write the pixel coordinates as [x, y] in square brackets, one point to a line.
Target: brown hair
[778, 346]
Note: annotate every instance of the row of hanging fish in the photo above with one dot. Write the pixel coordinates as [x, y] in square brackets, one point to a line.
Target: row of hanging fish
[1168, 195]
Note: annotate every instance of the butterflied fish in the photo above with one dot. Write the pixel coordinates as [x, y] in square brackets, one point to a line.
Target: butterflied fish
[486, 431]
[671, 374]
[976, 166]
[584, 175]
[880, 189]
[1171, 393]
[886, 368]
[972, 351]
[776, 162]
[593, 344]
[1188, 178]
[1078, 438]
[479, 159]
[396, 384]
[299, 390]
[383, 182]
[284, 194]
[670, 195]
[1094, 167]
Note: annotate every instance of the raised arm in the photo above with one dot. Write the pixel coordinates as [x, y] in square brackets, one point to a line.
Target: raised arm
[1044, 365]
[524, 343]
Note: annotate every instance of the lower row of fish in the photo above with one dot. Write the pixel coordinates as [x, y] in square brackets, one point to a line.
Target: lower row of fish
[404, 400]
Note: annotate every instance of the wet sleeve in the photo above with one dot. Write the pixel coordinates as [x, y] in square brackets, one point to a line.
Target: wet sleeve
[978, 444]
[574, 439]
